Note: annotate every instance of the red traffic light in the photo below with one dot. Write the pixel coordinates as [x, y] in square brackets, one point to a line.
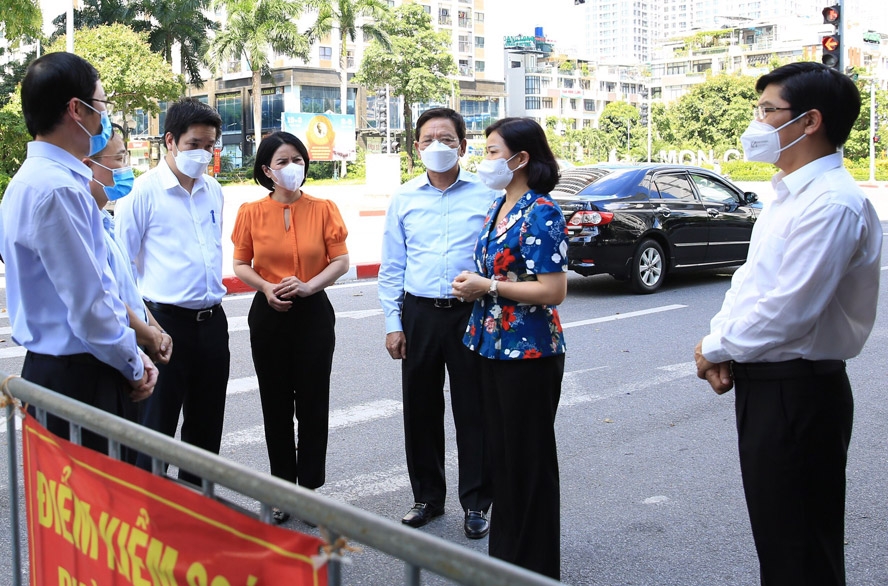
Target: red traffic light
[876, 138]
[831, 15]
[830, 43]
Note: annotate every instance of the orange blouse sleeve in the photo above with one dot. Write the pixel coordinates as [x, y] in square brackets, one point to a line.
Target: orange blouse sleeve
[335, 232]
[241, 235]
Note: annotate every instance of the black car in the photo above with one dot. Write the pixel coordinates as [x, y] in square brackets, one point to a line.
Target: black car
[641, 222]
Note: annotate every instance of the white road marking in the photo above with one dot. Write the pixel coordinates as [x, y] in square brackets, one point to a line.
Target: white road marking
[246, 384]
[576, 382]
[239, 323]
[12, 352]
[339, 418]
[618, 316]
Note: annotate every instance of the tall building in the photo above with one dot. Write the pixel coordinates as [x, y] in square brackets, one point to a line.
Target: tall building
[628, 31]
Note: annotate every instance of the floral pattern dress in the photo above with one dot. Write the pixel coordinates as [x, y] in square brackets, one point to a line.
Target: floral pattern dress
[531, 240]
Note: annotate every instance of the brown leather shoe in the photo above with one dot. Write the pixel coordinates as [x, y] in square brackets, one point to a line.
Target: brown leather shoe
[420, 514]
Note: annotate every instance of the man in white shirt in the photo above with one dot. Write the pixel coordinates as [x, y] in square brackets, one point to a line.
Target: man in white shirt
[171, 229]
[64, 303]
[804, 302]
[431, 229]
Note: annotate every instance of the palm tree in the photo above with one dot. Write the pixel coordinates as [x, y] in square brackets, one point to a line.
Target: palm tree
[345, 16]
[252, 29]
[178, 21]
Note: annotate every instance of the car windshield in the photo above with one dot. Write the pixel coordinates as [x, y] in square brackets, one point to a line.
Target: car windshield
[597, 183]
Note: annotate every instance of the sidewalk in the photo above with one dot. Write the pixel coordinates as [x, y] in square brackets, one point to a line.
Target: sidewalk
[364, 215]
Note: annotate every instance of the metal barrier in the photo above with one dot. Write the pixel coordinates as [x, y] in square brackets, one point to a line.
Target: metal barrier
[419, 551]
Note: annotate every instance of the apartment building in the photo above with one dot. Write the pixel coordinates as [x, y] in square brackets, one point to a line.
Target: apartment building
[541, 83]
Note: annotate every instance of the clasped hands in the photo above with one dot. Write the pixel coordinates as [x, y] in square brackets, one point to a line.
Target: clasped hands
[280, 296]
[717, 374]
[469, 286]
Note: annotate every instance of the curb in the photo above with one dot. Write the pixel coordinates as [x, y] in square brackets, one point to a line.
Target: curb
[355, 272]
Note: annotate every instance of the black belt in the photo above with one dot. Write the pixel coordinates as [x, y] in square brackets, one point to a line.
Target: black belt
[183, 312]
[83, 358]
[787, 369]
[440, 302]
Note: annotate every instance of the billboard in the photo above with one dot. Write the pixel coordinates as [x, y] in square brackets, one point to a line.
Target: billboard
[328, 137]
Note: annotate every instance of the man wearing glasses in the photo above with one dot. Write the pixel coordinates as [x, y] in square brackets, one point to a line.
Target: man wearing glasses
[64, 303]
[430, 232]
[804, 302]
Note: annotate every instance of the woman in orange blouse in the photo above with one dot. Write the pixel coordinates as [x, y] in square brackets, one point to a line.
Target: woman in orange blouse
[289, 246]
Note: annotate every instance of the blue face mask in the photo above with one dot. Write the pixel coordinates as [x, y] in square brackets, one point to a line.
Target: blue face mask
[97, 141]
[123, 182]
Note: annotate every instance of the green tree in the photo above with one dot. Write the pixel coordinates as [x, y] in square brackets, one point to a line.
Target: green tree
[133, 76]
[857, 146]
[253, 29]
[11, 75]
[347, 18]
[617, 122]
[170, 24]
[20, 19]
[714, 113]
[93, 13]
[14, 139]
[416, 67]
[178, 22]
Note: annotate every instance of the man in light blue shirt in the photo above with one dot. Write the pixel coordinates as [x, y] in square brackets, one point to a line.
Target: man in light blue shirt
[64, 303]
[430, 232]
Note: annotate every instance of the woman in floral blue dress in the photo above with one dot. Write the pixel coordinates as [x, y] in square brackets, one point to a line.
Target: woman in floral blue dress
[521, 262]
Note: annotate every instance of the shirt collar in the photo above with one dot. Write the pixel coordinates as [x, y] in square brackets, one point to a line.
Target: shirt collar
[795, 182]
[170, 182]
[463, 177]
[39, 148]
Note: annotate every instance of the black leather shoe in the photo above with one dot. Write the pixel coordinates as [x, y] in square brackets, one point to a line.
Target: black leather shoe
[420, 514]
[477, 525]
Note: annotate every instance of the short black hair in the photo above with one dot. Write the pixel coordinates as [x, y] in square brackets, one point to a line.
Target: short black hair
[808, 85]
[50, 83]
[458, 122]
[186, 112]
[269, 145]
[524, 134]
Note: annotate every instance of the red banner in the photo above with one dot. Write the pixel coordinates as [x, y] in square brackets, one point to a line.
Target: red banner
[95, 521]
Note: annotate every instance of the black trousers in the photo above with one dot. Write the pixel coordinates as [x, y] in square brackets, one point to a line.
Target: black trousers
[434, 341]
[293, 356]
[520, 401]
[87, 379]
[794, 424]
[194, 382]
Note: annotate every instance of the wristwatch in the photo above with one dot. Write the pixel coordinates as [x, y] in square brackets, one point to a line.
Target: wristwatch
[492, 290]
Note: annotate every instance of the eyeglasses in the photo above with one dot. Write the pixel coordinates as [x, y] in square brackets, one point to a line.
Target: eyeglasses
[108, 103]
[123, 158]
[761, 112]
[450, 141]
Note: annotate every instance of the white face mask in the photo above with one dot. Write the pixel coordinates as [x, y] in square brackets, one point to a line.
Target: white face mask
[193, 163]
[290, 177]
[495, 173]
[761, 142]
[439, 158]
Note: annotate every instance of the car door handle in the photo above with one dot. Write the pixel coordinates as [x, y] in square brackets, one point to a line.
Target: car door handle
[712, 212]
[664, 210]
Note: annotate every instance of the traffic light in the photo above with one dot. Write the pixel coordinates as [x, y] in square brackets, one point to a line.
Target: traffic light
[831, 55]
[876, 138]
[643, 118]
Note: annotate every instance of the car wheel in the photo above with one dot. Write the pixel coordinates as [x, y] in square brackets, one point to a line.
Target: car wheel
[648, 267]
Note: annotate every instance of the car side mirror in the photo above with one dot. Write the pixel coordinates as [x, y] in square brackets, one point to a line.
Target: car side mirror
[750, 197]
